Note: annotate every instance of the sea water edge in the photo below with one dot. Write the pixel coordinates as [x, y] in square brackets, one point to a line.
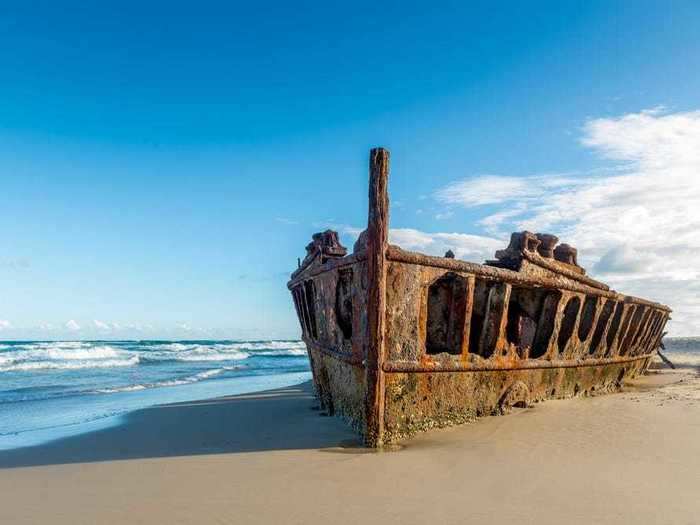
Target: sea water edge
[55, 389]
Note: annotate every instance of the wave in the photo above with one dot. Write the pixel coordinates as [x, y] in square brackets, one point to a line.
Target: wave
[273, 345]
[683, 351]
[65, 356]
[75, 355]
[684, 359]
[169, 382]
[56, 344]
[56, 352]
[290, 352]
[175, 347]
[181, 351]
[238, 345]
[194, 355]
[95, 352]
[66, 344]
[75, 365]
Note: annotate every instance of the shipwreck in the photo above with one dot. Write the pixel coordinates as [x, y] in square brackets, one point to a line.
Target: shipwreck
[400, 342]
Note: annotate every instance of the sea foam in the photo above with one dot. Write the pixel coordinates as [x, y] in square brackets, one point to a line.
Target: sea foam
[170, 382]
[70, 365]
[78, 355]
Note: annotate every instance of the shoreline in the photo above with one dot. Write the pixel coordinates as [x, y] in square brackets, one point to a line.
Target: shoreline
[93, 412]
[269, 457]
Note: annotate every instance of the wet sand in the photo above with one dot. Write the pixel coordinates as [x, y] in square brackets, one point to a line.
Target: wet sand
[270, 457]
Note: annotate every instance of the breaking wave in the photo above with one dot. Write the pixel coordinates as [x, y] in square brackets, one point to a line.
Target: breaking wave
[252, 346]
[170, 382]
[200, 353]
[65, 356]
[72, 365]
[75, 355]
[684, 352]
[291, 351]
[224, 351]
[684, 359]
[52, 387]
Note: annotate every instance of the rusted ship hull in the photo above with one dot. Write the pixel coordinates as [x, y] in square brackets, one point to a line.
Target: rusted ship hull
[401, 342]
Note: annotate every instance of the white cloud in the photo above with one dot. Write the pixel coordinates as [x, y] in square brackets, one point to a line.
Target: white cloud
[474, 248]
[650, 138]
[623, 259]
[497, 189]
[72, 326]
[636, 224]
[485, 189]
[100, 325]
[5, 324]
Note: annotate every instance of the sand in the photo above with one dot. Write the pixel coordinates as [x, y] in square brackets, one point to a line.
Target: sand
[632, 457]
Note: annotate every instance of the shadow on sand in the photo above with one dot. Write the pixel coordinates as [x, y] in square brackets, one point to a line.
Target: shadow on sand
[280, 419]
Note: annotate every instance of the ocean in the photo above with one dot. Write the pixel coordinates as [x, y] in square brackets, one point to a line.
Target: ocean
[684, 352]
[54, 389]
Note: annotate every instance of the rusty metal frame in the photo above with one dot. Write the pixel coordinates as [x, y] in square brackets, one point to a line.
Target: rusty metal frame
[398, 367]
[342, 356]
[396, 254]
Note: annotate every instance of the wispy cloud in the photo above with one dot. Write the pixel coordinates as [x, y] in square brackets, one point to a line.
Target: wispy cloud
[72, 326]
[101, 325]
[517, 196]
[487, 189]
[5, 324]
[474, 248]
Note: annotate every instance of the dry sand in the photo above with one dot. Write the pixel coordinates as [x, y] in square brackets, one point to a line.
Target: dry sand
[632, 457]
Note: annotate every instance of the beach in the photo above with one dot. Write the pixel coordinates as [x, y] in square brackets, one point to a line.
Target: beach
[326, 263]
[272, 457]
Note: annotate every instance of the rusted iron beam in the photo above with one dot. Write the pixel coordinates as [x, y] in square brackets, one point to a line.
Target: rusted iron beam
[394, 253]
[328, 266]
[398, 367]
[493, 331]
[461, 366]
[560, 269]
[469, 307]
[342, 356]
[297, 308]
[377, 240]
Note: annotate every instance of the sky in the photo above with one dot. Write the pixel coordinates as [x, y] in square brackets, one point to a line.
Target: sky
[163, 165]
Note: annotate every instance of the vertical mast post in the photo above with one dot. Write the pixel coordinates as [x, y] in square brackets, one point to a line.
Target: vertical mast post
[377, 240]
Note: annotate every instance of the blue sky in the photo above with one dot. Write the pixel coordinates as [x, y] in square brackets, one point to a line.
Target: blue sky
[162, 166]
